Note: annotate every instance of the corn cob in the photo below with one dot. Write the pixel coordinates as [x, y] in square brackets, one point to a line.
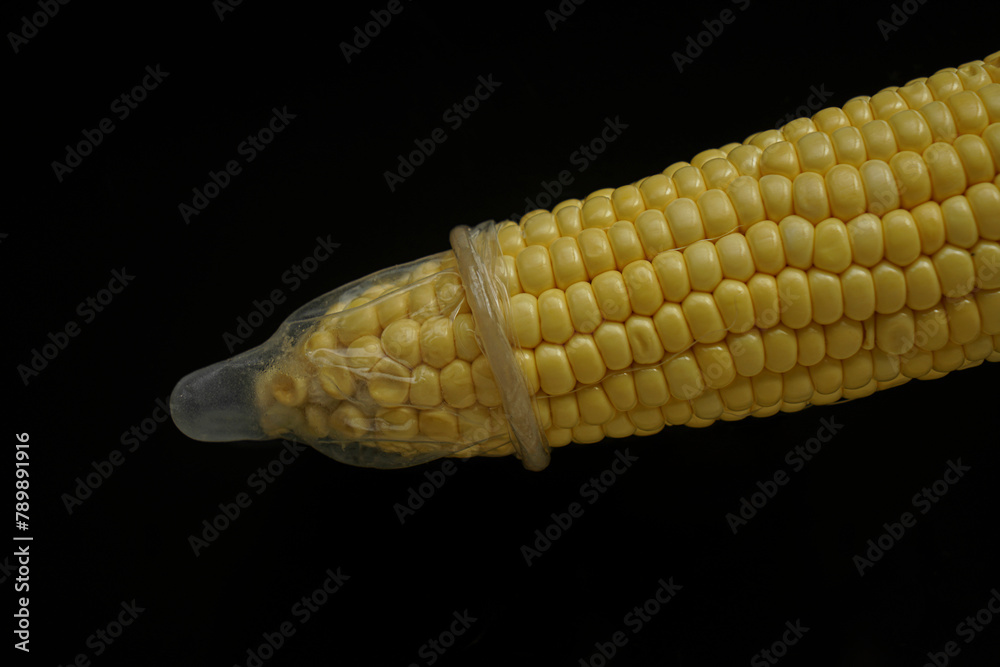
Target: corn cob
[834, 257]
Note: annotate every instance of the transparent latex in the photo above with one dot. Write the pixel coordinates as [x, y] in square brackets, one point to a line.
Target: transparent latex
[379, 372]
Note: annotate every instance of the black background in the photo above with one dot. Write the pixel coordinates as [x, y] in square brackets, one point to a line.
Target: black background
[323, 176]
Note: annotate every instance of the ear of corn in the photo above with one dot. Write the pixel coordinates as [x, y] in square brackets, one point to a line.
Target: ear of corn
[825, 260]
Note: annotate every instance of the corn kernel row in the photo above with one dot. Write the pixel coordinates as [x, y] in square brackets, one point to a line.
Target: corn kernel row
[608, 238]
[631, 403]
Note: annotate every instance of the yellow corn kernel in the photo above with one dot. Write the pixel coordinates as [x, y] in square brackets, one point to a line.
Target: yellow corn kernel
[524, 315]
[654, 233]
[912, 177]
[956, 271]
[389, 383]
[555, 373]
[288, 390]
[719, 172]
[793, 289]
[901, 237]
[780, 349]
[880, 142]
[598, 212]
[969, 112]
[826, 296]
[959, 223]
[964, 323]
[569, 220]
[555, 324]
[643, 339]
[890, 287]
[976, 159]
[534, 268]
[612, 296]
[703, 317]
[764, 296]
[944, 84]
[805, 193]
[984, 198]
[620, 390]
[684, 221]
[350, 420]
[744, 193]
[595, 249]
[797, 235]
[986, 263]
[798, 128]
[540, 229]
[684, 376]
[487, 392]
[939, 119]
[585, 359]
[815, 151]
[894, 332]
[735, 305]
[911, 131]
[671, 271]
[886, 103]
[766, 248]
[690, 182]
[625, 244]
[858, 110]
[717, 213]
[358, 320]
[466, 345]
[780, 158]
[846, 191]
[583, 310]
[672, 328]
[923, 289]
[612, 341]
[642, 283]
[651, 387]
[704, 268]
[916, 93]
[748, 352]
[843, 338]
[657, 191]
[735, 257]
[849, 146]
[568, 267]
[595, 408]
[627, 203]
[945, 167]
[881, 190]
